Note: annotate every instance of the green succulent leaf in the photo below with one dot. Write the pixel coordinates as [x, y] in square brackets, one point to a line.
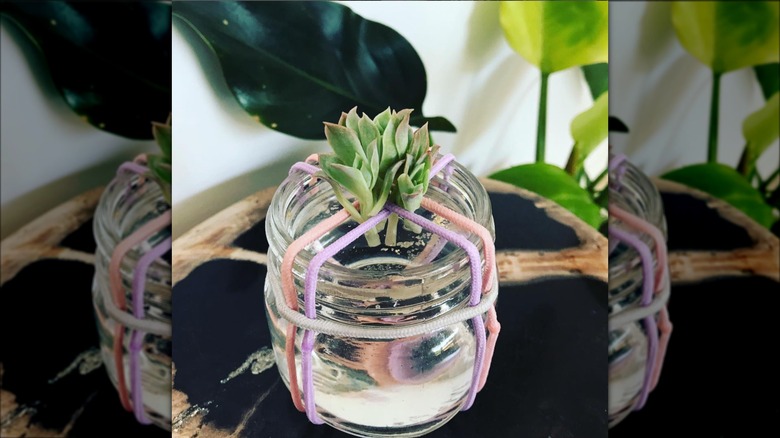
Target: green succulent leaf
[421, 140]
[405, 184]
[727, 184]
[411, 201]
[382, 119]
[344, 142]
[327, 160]
[367, 130]
[353, 120]
[760, 130]
[160, 165]
[555, 184]
[557, 35]
[161, 172]
[373, 161]
[294, 64]
[162, 135]
[417, 173]
[385, 187]
[377, 153]
[352, 179]
[588, 129]
[110, 61]
[728, 36]
[341, 196]
[402, 136]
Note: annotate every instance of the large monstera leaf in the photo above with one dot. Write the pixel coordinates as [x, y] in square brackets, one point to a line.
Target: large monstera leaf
[110, 61]
[292, 65]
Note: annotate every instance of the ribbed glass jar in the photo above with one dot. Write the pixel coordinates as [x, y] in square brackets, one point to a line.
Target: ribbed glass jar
[129, 202]
[404, 386]
[632, 192]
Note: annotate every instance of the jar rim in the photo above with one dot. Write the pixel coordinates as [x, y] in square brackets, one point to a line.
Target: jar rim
[480, 213]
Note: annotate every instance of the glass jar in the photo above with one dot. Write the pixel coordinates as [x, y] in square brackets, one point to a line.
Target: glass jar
[375, 384]
[638, 288]
[129, 205]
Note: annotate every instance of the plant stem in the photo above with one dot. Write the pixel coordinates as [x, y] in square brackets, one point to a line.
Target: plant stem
[541, 126]
[712, 149]
[742, 166]
[595, 182]
[372, 237]
[392, 230]
[413, 227]
[764, 185]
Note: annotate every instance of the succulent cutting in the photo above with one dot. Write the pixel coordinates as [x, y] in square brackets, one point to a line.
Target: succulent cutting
[378, 160]
[160, 169]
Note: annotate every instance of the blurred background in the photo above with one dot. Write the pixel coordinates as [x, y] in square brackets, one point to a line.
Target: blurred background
[475, 80]
[662, 94]
[49, 154]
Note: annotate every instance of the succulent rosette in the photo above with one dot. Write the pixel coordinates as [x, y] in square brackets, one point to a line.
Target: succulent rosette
[378, 160]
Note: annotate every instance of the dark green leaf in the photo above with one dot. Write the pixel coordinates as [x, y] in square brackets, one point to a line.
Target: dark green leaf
[727, 184]
[110, 61]
[555, 184]
[768, 76]
[293, 65]
[434, 123]
[597, 77]
[617, 125]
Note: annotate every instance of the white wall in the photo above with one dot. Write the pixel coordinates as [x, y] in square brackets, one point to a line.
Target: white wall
[474, 79]
[47, 154]
[663, 94]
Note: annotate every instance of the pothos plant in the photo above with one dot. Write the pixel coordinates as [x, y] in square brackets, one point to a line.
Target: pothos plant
[555, 36]
[377, 160]
[727, 37]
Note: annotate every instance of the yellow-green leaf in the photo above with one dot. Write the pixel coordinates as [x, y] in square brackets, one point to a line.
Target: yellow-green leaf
[588, 130]
[557, 35]
[727, 184]
[728, 36]
[554, 184]
[761, 129]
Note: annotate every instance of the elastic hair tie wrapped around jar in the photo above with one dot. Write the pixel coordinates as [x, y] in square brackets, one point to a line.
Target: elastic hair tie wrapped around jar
[113, 299]
[483, 289]
[646, 240]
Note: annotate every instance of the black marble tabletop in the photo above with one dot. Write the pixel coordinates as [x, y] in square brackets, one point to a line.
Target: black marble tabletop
[718, 378]
[548, 377]
[51, 369]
